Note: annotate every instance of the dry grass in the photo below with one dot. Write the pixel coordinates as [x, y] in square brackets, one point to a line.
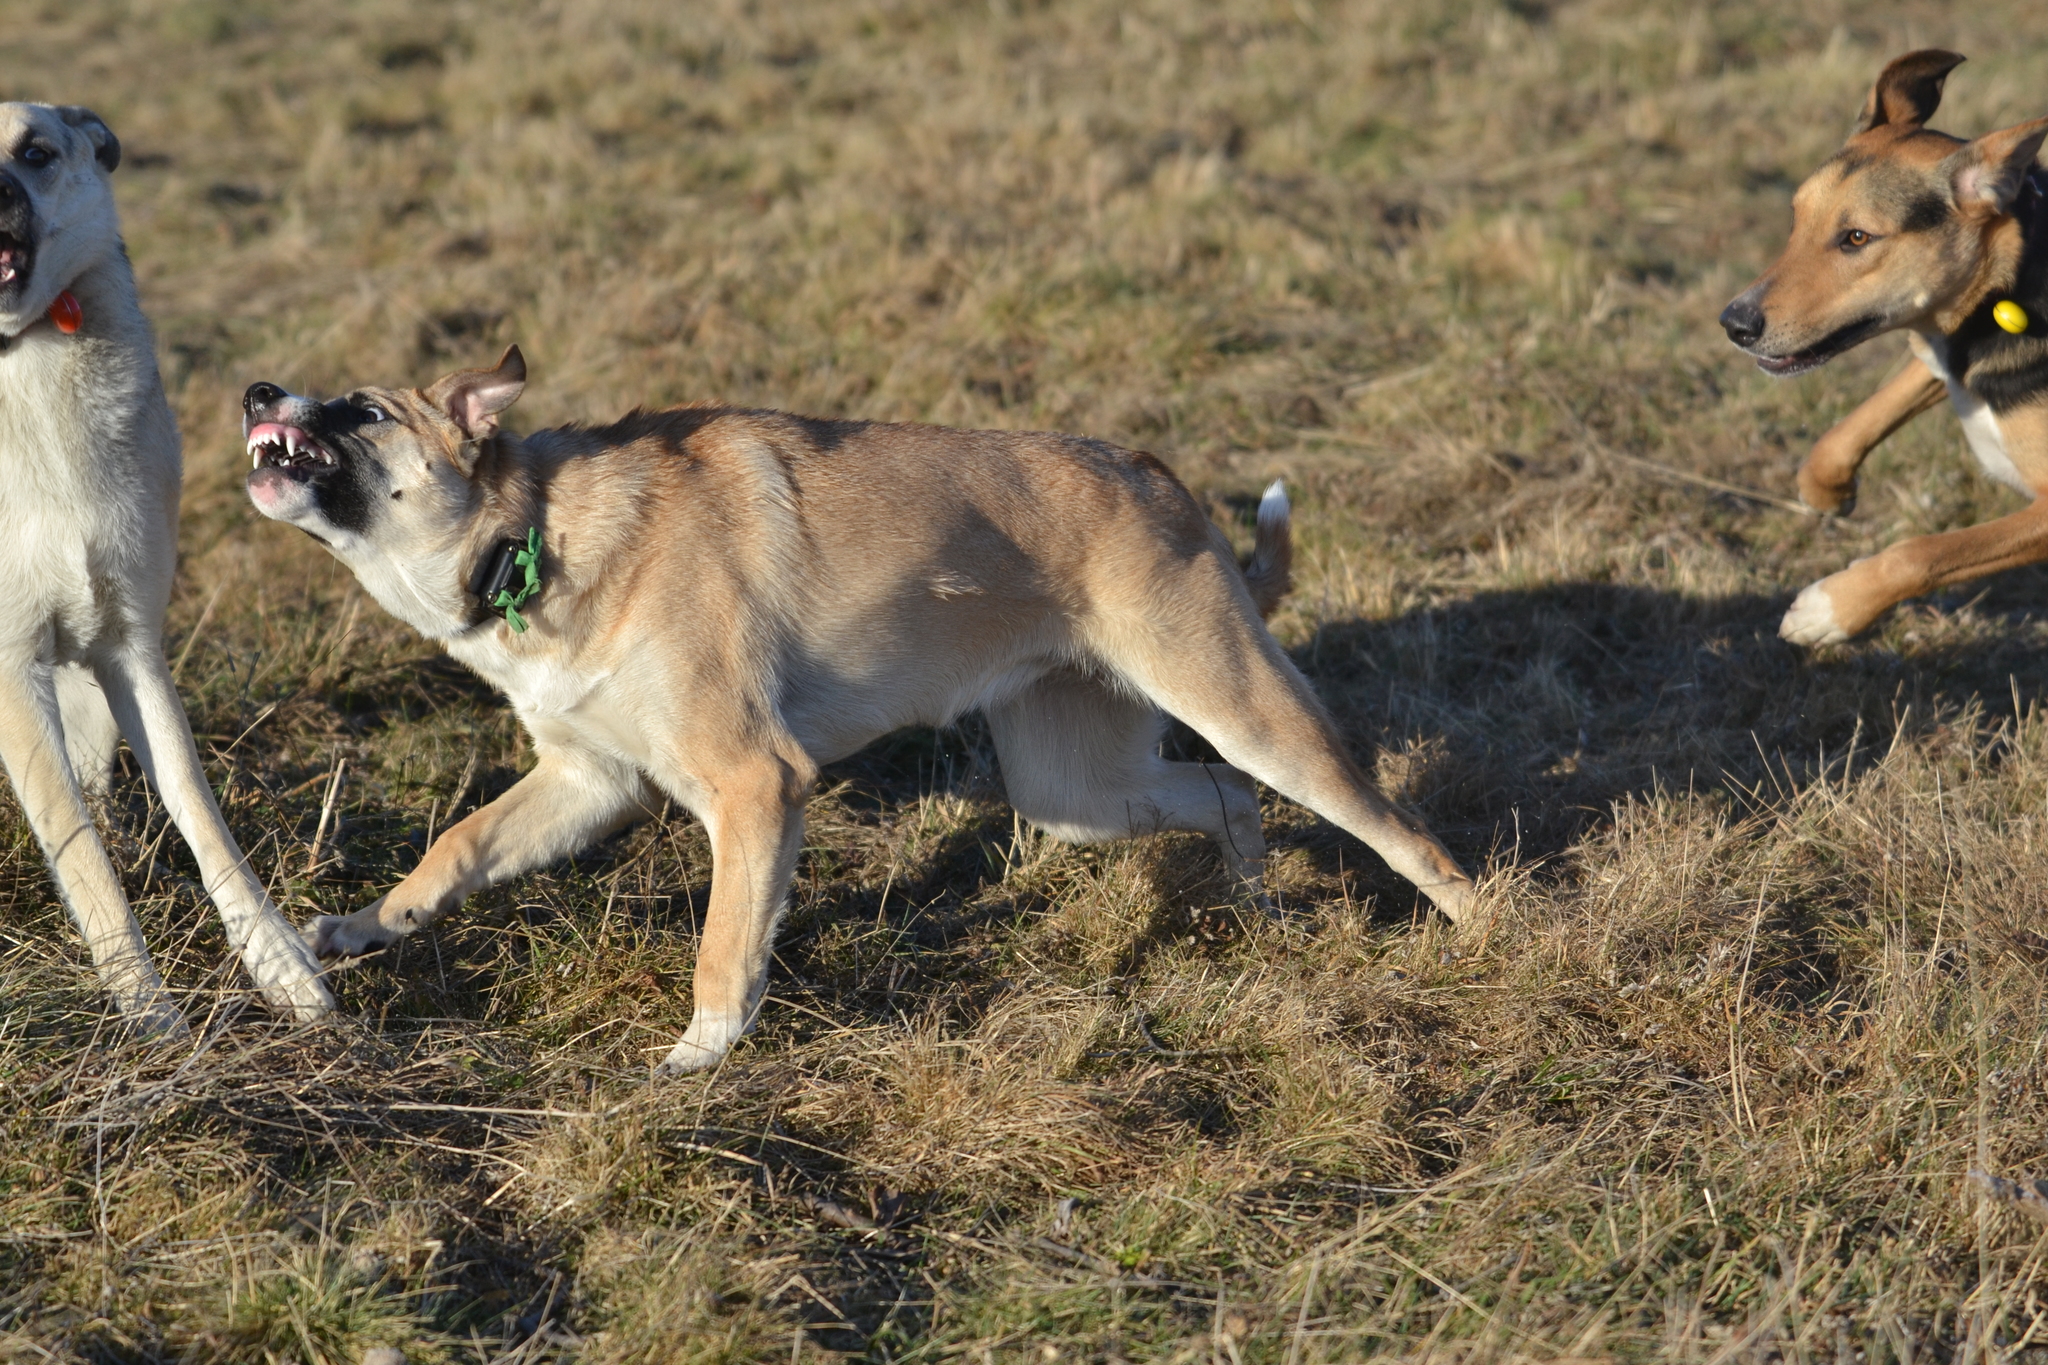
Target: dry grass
[1764, 981]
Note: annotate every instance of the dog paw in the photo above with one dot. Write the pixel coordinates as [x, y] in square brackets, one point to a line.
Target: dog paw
[287, 973]
[347, 937]
[1812, 619]
[710, 1036]
[153, 1016]
[1829, 502]
[1456, 899]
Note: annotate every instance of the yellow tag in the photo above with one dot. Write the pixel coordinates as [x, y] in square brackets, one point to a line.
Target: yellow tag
[2010, 316]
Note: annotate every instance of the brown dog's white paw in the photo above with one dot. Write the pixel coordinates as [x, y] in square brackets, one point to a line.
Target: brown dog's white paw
[1812, 620]
[710, 1036]
[347, 936]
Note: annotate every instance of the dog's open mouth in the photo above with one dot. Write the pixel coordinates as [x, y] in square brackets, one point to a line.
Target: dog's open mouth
[14, 259]
[273, 445]
[1821, 352]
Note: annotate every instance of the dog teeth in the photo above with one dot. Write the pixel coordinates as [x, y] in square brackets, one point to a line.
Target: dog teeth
[286, 449]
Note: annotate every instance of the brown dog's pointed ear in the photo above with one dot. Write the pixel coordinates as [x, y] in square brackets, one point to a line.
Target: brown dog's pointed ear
[1987, 174]
[474, 398]
[1909, 90]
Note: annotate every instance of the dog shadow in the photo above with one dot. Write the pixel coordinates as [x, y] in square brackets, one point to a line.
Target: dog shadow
[1515, 721]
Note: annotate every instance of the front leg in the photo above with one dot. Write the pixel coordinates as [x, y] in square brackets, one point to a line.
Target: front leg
[1827, 481]
[1843, 605]
[570, 800]
[754, 813]
[145, 704]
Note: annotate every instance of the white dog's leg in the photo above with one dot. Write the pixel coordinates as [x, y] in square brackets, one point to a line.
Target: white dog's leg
[32, 746]
[90, 735]
[142, 698]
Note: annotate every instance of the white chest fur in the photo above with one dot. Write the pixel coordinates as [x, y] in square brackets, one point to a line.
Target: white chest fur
[1980, 423]
[535, 681]
[560, 704]
[91, 477]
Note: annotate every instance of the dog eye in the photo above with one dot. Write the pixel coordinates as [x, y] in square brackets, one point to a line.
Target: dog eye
[1855, 239]
[38, 157]
[375, 413]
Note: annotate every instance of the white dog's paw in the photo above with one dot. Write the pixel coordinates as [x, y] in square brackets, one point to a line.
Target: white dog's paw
[348, 936]
[152, 1015]
[1811, 619]
[285, 970]
[710, 1036]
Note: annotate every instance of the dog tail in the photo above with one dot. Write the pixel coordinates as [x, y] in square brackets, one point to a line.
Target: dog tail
[1270, 574]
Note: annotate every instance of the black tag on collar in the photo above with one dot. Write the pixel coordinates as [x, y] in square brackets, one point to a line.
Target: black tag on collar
[501, 572]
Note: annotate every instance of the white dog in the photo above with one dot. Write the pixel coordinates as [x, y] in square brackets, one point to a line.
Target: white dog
[89, 501]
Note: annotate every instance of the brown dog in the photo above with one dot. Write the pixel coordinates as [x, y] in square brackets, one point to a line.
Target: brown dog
[1907, 228]
[723, 600]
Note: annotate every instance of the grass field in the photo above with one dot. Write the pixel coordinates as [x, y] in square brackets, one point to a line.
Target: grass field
[1762, 977]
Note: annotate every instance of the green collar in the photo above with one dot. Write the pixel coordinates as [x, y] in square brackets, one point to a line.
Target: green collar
[498, 594]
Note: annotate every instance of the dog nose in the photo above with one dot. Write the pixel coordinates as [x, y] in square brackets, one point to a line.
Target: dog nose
[260, 396]
[10, 190]
[1743, 321]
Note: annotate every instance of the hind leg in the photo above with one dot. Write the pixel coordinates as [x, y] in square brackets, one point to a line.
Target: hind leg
[1210, 660]
[1081, 762]
[90, 734]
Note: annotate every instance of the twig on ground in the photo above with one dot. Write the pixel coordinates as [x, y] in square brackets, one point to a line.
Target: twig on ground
[326, 814]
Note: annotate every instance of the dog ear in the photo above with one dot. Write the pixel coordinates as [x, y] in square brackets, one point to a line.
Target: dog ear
[474, 398]
[1909, 90]
[1988, 172]
[106, 148]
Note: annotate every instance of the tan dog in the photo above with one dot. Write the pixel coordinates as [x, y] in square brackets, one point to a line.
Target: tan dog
[1907, 228]
[726, 599]
[90, 505]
